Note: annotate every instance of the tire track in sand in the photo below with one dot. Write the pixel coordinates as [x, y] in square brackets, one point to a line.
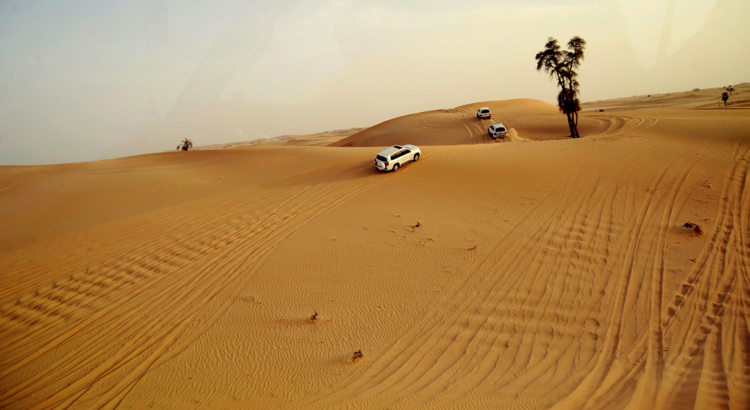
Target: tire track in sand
[709, 361]
[473, 126]
[150, 319]
[409, 366]
[501, 328]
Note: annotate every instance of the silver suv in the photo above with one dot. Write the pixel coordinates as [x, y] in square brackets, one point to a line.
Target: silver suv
[484, 113]
[497, 130]
[394, 157]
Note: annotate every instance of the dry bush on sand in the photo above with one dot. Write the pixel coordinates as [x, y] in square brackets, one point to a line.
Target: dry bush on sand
[356, 356]
[697, 229]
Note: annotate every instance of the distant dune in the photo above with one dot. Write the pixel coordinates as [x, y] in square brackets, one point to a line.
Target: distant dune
[707, 98]
[554, 273]
[311, 140]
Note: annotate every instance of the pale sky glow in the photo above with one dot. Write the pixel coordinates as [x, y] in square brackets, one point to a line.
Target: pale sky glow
[78, 79]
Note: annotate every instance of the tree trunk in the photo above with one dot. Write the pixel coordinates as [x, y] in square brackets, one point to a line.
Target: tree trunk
[575, 125]
[571, 126]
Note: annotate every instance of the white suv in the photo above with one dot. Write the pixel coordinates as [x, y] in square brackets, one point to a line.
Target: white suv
[497, 130]
[394, 157]
[484, 113]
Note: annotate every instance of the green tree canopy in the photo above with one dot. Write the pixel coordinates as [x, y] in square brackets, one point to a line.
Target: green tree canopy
[562, 65]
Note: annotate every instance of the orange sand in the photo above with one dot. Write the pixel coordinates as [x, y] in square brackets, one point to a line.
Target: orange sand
[545, 272]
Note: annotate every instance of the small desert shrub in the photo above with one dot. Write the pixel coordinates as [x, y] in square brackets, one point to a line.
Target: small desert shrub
[697, 229]
[185, 145]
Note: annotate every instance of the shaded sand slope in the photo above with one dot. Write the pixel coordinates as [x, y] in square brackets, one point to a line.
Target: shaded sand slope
[531, 119]
[547, 274]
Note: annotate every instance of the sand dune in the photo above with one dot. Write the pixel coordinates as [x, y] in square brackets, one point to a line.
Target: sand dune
[314, 140]
[709, 98]
[532, 119]
[554, 273]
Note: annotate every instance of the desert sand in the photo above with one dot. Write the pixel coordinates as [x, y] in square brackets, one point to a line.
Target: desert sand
[530, 273]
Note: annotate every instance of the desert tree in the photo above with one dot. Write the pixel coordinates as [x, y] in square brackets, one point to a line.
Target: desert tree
[185, 145]
[562, 66]
[724, 97]
[729, 89]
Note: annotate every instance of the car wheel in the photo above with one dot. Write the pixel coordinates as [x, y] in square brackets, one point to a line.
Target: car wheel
[395, 167]
[416, 157]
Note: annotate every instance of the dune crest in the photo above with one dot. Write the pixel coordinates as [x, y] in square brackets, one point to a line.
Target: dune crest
[534, 119]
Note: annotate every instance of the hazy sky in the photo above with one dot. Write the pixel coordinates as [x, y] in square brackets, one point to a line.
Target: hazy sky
[80, 78]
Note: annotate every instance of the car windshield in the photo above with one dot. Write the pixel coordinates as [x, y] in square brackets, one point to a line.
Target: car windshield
[485, 111]
[381, 158]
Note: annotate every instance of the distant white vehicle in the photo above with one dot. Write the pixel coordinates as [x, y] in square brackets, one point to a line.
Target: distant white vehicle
[484, 113]
[394, 157]
[497, 130]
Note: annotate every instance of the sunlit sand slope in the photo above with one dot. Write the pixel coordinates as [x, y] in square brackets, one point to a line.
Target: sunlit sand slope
[545, 274]
[317, 140]
[531, 119]
[709, 98]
